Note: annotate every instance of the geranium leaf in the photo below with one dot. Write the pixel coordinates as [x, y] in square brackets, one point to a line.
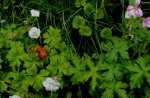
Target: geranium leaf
[78, 22]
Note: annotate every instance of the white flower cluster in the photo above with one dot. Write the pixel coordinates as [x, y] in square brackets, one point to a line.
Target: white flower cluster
[34, 32]
[51, 84]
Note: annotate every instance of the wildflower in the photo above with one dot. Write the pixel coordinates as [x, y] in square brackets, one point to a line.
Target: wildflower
[2, 21]
[35, 13]
[51, 84]
[146, 22]
[14, 96]
[134, 11]
[25, 22]
[42, 53]
[34, 32]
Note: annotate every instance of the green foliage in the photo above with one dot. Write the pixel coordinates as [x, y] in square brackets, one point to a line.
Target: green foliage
[106, 33]
[78, 22]
[139, 70]
[16, 50]
[21, 81]
[89, 9]
[119, 48]
[100, 61]
[3, 86]
[112, 72]
[68, 95]
[99, 14]
[106, 45]
[59, 65]
[52, 37]
[87, 71]
[85, 31]
[112, 88]
[0, 63]
[131, 2]
[6, 4]
[79, 3]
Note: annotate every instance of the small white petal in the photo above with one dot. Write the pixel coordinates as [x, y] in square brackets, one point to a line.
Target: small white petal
[49, 88]
[55, 88]
[35, 13]
[34, 32]
[25, 22]
[45, 83]
[14, 96]
[2, 21]
[132, 36]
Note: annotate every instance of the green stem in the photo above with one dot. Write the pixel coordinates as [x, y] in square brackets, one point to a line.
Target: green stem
[80, 90]
[79, 45]
[70, 17]
[145, 2]
[122, 3]
[13, 15]
[96, 35]
[64, 26]
[94, 43]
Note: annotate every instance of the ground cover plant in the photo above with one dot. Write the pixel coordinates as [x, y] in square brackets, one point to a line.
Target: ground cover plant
[74, 49]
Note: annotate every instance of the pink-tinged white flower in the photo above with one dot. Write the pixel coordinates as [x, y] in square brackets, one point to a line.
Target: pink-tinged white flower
[35, 13]
[134, 11]
[51, 84]
[137, 2]
[146, 22]
[34, 32]
[14, 96]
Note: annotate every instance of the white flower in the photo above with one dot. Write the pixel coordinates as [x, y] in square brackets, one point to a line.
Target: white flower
[34, 32]
[25, 22]
[51, 85]
[14, 96]
[35, 13]
[2, 21]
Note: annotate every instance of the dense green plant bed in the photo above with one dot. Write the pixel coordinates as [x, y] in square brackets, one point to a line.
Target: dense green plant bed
[74, 49]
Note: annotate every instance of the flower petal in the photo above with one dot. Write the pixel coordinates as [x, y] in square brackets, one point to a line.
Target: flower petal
[14, 96]
[55, 88]
[50, 80]
[143, 24]
[2, 21]
[35, 13]
[25, 22]
[130, 7]
[146, 22]
[137, 3]
[130, 13]
[138, 12]
[126, 15]
[45, 83]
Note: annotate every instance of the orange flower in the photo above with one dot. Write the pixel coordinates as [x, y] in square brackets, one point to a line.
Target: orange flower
[42, 53]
